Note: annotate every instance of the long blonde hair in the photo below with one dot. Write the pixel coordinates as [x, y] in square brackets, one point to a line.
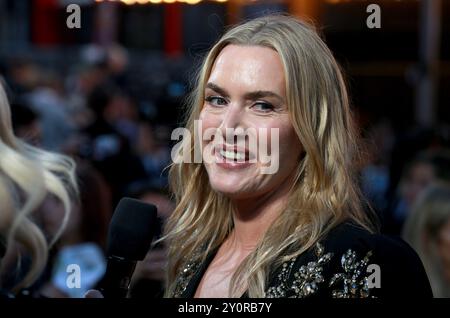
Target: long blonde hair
[27, 176]
[421, 231]
[325, 192]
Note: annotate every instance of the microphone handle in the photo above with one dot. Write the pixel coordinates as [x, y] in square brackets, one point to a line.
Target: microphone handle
[117, 279]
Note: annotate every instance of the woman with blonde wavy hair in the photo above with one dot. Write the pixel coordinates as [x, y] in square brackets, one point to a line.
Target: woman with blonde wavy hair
[292, 225]
[427, 229]
[27, 176]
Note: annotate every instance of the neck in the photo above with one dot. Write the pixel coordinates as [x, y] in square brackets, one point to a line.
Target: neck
[253, 216]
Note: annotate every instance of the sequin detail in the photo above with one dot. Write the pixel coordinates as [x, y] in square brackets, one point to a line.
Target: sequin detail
[185, 277]
[306, 279]
[355, 283]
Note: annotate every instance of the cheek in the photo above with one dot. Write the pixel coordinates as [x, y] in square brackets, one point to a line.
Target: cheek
[290, 143]
[209, 122]
[286, 140]
[207, 135]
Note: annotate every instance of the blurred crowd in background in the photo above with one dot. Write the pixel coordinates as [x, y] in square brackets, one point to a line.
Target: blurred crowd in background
[113, 109]
[121, 148]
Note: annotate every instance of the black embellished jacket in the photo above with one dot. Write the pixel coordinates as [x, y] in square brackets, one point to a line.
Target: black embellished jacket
[349, 263]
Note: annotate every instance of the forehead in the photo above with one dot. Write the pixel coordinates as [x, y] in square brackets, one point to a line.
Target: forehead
[249, 67]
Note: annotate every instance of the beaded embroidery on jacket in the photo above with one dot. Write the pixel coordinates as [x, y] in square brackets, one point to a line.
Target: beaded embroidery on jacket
[307, 280]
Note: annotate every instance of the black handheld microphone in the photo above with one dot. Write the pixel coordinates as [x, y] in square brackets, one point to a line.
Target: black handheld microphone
[130, 235]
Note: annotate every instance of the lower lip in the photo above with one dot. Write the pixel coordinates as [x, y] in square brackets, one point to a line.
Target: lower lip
[229, 164]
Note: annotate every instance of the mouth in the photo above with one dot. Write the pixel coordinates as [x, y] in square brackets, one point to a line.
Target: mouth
[232, 156]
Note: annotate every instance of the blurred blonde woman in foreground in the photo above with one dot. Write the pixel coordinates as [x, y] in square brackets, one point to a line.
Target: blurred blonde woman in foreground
[27, 176]
[427, 229]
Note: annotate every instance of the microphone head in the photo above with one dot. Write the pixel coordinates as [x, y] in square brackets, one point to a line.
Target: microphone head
[131, 230]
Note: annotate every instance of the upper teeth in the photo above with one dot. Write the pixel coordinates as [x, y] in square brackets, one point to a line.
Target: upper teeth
[232, 155]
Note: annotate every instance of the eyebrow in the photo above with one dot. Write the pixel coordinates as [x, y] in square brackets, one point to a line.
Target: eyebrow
[250, 95]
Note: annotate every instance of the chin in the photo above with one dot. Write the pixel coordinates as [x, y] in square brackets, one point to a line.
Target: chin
[220, 186]
[231, 191]
[225, 188]
[232, 184]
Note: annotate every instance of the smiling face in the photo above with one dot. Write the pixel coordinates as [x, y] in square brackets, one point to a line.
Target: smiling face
[246, 92]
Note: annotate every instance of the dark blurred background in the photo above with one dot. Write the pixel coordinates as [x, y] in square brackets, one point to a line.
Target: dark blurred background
[110, 92]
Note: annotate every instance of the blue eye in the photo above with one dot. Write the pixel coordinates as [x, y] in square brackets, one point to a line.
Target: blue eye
[216, 101]
[263, 107]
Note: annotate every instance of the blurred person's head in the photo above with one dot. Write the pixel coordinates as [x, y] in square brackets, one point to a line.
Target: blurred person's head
[50, 79]
[112, 104]
[117, 59]
[422, 170]
[27, 176]
[121, 107]
[152, 137]
[89, 77]
[24, 74]
[427, 229]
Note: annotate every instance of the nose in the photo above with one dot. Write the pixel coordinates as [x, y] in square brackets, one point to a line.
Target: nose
[232, 123]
